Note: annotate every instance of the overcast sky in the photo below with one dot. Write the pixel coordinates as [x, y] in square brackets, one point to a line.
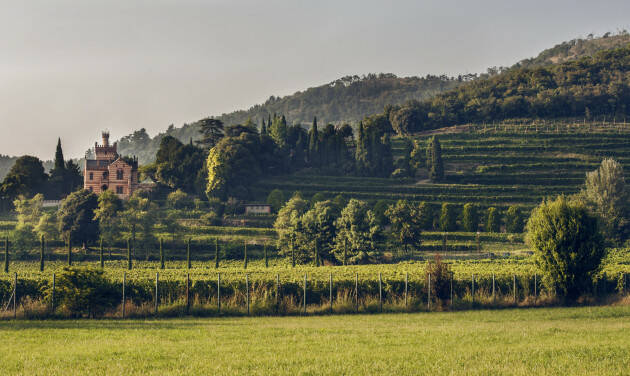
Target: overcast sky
[72, 68]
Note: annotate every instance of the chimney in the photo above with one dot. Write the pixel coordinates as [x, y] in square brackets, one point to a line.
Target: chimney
[105, 138]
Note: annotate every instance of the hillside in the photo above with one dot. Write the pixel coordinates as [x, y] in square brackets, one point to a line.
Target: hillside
[352, 98]
[491, 165]
[576, 49]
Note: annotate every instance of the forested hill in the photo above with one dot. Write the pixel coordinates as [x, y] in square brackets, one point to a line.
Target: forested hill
[576, 49]
[597, 86]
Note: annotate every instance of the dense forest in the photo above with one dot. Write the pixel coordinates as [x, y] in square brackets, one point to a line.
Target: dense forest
[591, 86]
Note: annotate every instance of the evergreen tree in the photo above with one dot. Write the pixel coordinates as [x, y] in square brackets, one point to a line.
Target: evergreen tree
[313, 145]
[470, 217]
[448, 218]
[493, 222]
[513, 219]
[278, 131]
[361, 153]
[263, 128]
[436, 171]
[59, 161]
[211, 132]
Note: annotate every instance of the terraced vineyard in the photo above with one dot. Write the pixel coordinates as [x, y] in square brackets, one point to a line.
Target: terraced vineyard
[492, 165]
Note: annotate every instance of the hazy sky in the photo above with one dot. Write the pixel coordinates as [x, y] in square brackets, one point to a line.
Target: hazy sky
[72, 68]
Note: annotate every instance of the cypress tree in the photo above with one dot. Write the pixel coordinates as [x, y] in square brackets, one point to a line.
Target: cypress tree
[245, 256]
[100, 254]
[6, 254]
[161, 253]
[436, 172]
[129, 265]
[313, 145]
[263, 128]
[188, 253]
[60, 164]
[265, 252]
[41, 254]
[69, 250]
[216, 253]
[361, 153]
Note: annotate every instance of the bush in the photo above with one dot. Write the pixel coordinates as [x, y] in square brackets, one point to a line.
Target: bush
[180, 200]
[567, 244]
[440, 278]
[83, 291]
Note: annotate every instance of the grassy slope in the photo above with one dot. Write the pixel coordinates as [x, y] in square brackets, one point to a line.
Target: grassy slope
[532, 341]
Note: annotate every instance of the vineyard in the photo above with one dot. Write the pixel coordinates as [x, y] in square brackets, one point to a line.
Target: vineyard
[492, 165]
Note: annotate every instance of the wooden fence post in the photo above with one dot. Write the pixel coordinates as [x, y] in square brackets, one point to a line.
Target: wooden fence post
[157, 296]
[356, 291]
[304, 293]
[535, 287]
[277, 292]
[124, 300]
[247, 292]
[52, 295]
[406, 286]
[472, 295]
[41, 254]
[514, 287]
[380, 292]
[452, 276]
[219, 292]
[15, 295]
[493, 289]
[188, 262]
[429, 294]
[331, 293]
[187, 293]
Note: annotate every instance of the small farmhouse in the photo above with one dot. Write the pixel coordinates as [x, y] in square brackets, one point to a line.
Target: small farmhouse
[257, 209]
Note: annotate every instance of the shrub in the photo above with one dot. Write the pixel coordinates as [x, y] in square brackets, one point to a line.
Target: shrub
[568, 245]
[179, 200]
[440, 278]
[83, 291]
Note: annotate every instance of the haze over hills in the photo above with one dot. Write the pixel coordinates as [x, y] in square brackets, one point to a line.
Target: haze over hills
[351, 98]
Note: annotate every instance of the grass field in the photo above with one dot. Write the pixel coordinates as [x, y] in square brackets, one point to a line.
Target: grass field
[567, 341]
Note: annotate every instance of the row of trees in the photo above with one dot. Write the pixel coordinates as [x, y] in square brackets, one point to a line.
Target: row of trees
[27, 177]
[349, 232]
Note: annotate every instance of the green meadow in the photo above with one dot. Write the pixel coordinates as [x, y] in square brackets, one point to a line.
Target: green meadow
[567, 341]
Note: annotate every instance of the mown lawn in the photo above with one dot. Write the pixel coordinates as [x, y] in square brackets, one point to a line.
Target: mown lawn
[567, 341]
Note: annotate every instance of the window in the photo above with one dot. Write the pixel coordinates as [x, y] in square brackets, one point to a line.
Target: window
[119, 175]
[120, 190]
[91, 176]
[105, 175]
[90, 188]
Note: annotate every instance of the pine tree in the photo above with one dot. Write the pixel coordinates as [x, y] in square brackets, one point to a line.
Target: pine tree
[278, 131]
[41, 254]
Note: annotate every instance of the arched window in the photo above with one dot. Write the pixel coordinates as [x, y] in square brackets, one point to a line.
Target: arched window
[119, 174]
